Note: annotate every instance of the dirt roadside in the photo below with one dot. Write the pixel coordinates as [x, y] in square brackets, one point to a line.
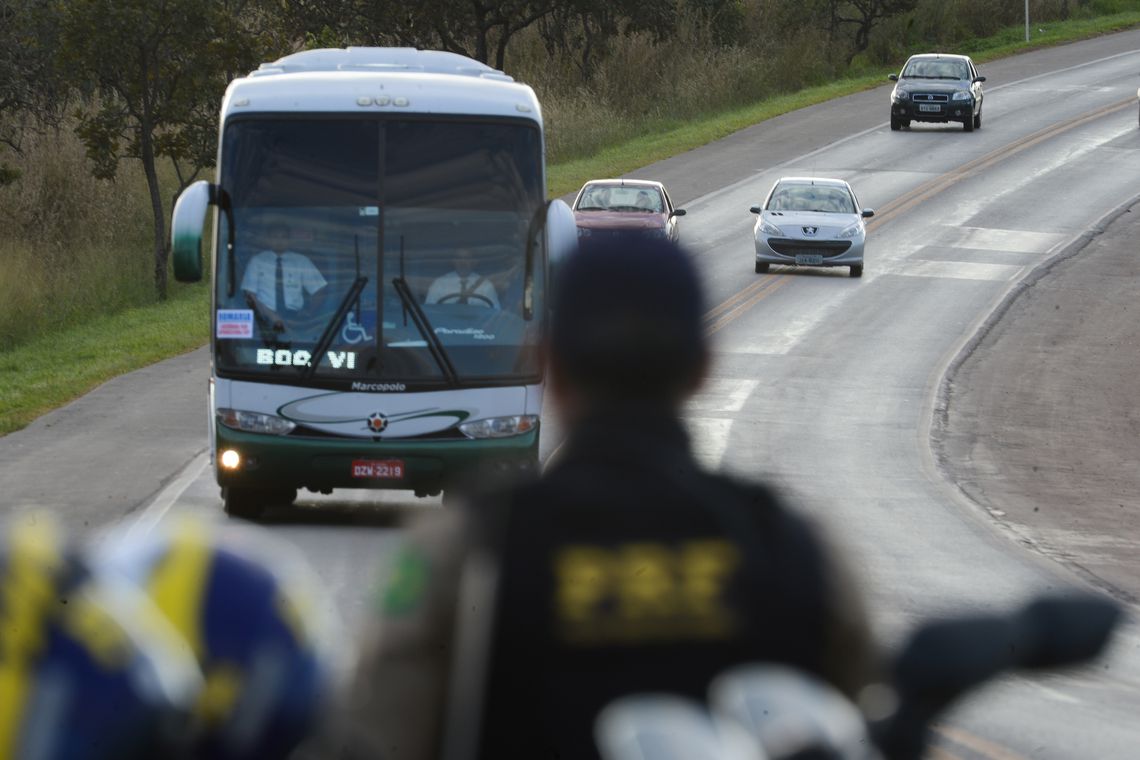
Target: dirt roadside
[1040, 424]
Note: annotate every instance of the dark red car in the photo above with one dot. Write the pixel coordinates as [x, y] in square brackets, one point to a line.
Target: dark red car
[605, 206]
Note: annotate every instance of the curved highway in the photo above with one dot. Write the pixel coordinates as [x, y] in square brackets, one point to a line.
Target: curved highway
[824, 384]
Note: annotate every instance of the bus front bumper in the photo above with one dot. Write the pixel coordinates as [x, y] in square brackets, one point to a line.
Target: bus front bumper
[321, 464]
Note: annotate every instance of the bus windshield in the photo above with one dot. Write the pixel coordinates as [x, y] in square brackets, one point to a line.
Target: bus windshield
[333, 217]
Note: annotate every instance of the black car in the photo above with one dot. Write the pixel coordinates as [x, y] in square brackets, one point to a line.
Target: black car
[937, 87]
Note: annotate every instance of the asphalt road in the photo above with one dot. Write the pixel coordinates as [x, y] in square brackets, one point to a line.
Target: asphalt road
[834, 388]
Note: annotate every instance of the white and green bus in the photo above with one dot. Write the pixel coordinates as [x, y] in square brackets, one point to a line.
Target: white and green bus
[382, 248]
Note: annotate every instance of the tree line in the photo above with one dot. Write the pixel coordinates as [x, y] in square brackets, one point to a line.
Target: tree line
[142, 80]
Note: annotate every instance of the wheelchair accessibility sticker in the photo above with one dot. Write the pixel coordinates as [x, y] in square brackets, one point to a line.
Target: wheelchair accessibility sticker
[353, 332]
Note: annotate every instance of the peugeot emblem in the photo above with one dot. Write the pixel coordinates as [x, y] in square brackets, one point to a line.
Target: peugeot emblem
[810, 231]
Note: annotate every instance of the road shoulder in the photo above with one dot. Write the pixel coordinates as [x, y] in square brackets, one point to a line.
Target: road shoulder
[1039, 422]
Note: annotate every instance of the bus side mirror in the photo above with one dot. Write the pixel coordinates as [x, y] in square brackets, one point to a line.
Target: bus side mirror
[186, 230]
[561, 232]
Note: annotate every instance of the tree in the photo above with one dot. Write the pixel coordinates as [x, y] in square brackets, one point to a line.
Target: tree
[158, 69]
[31, 93]
[479, 29]
[864, 15]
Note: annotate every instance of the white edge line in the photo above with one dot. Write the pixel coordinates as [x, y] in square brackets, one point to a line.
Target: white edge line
[153, 513]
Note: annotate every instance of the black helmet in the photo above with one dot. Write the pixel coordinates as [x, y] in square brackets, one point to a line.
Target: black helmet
[628, 319]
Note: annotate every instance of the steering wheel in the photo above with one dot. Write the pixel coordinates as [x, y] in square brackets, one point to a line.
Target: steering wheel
[456, 296]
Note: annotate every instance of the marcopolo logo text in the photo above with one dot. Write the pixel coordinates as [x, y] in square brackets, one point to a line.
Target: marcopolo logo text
[357, 386]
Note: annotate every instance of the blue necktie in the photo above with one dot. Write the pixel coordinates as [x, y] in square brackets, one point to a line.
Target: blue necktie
[279, 291]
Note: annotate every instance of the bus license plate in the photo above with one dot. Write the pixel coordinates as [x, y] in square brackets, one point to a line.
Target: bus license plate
[929, 107]
[373, 469]
[809, 259]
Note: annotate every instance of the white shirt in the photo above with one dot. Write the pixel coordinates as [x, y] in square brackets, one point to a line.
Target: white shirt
[297, 274]
[451, 284]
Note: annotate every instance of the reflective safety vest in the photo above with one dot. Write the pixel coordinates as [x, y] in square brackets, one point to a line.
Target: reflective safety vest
[628, 569]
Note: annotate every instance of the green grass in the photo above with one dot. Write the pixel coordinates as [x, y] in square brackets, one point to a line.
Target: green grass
[673, 139]
[53, 369]
[1012, 40]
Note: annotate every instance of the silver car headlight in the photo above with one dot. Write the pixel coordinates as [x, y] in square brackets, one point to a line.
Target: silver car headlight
[770, 229]
[898, 94]
[499, 427]
[255, 422]
[962, 95]
[850, 232]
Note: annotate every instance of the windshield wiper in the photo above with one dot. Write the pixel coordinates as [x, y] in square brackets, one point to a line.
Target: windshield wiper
[438, 352]
[330, 329]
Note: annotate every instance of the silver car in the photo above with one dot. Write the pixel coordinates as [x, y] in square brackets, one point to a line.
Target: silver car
[813, 222]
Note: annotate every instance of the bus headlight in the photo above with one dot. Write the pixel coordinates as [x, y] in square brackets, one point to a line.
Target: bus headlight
[255, 422]
[499, 427]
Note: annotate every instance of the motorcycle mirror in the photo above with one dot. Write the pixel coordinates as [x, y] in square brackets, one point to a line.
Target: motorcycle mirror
[1066, 630]
[791, 713]
[944, 659]
[668, 727]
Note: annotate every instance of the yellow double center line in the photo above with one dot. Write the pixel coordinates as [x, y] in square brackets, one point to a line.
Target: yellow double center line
[740, 302]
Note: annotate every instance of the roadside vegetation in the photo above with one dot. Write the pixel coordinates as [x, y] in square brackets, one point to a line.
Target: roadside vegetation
[84, 294]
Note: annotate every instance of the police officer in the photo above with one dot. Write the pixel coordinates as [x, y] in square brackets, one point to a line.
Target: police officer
[507, 625]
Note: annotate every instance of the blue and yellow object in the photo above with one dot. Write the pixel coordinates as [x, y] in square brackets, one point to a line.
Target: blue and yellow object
[248, 617]
[88, 667]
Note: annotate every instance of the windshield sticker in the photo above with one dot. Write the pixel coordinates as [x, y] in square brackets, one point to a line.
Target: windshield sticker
[353, 331]
[369, 211]
[235, 323]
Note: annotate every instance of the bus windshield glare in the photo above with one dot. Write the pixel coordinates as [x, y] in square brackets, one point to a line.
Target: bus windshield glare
[333, 217]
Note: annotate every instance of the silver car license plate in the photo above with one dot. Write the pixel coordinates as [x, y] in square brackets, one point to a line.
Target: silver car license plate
[809, 259]
[932, 107]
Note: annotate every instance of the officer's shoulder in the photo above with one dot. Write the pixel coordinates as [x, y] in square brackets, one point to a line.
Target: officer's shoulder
[758, 494]
[765, 503]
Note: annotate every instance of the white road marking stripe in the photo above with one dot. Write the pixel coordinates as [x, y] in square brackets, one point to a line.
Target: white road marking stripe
[959, 270]
[1057, 695]
[779, 342]
[991, 239]
[721, 395]
[153, 513]
[709, 437]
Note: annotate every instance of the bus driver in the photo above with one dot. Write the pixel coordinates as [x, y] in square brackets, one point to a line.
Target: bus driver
[463, 285]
